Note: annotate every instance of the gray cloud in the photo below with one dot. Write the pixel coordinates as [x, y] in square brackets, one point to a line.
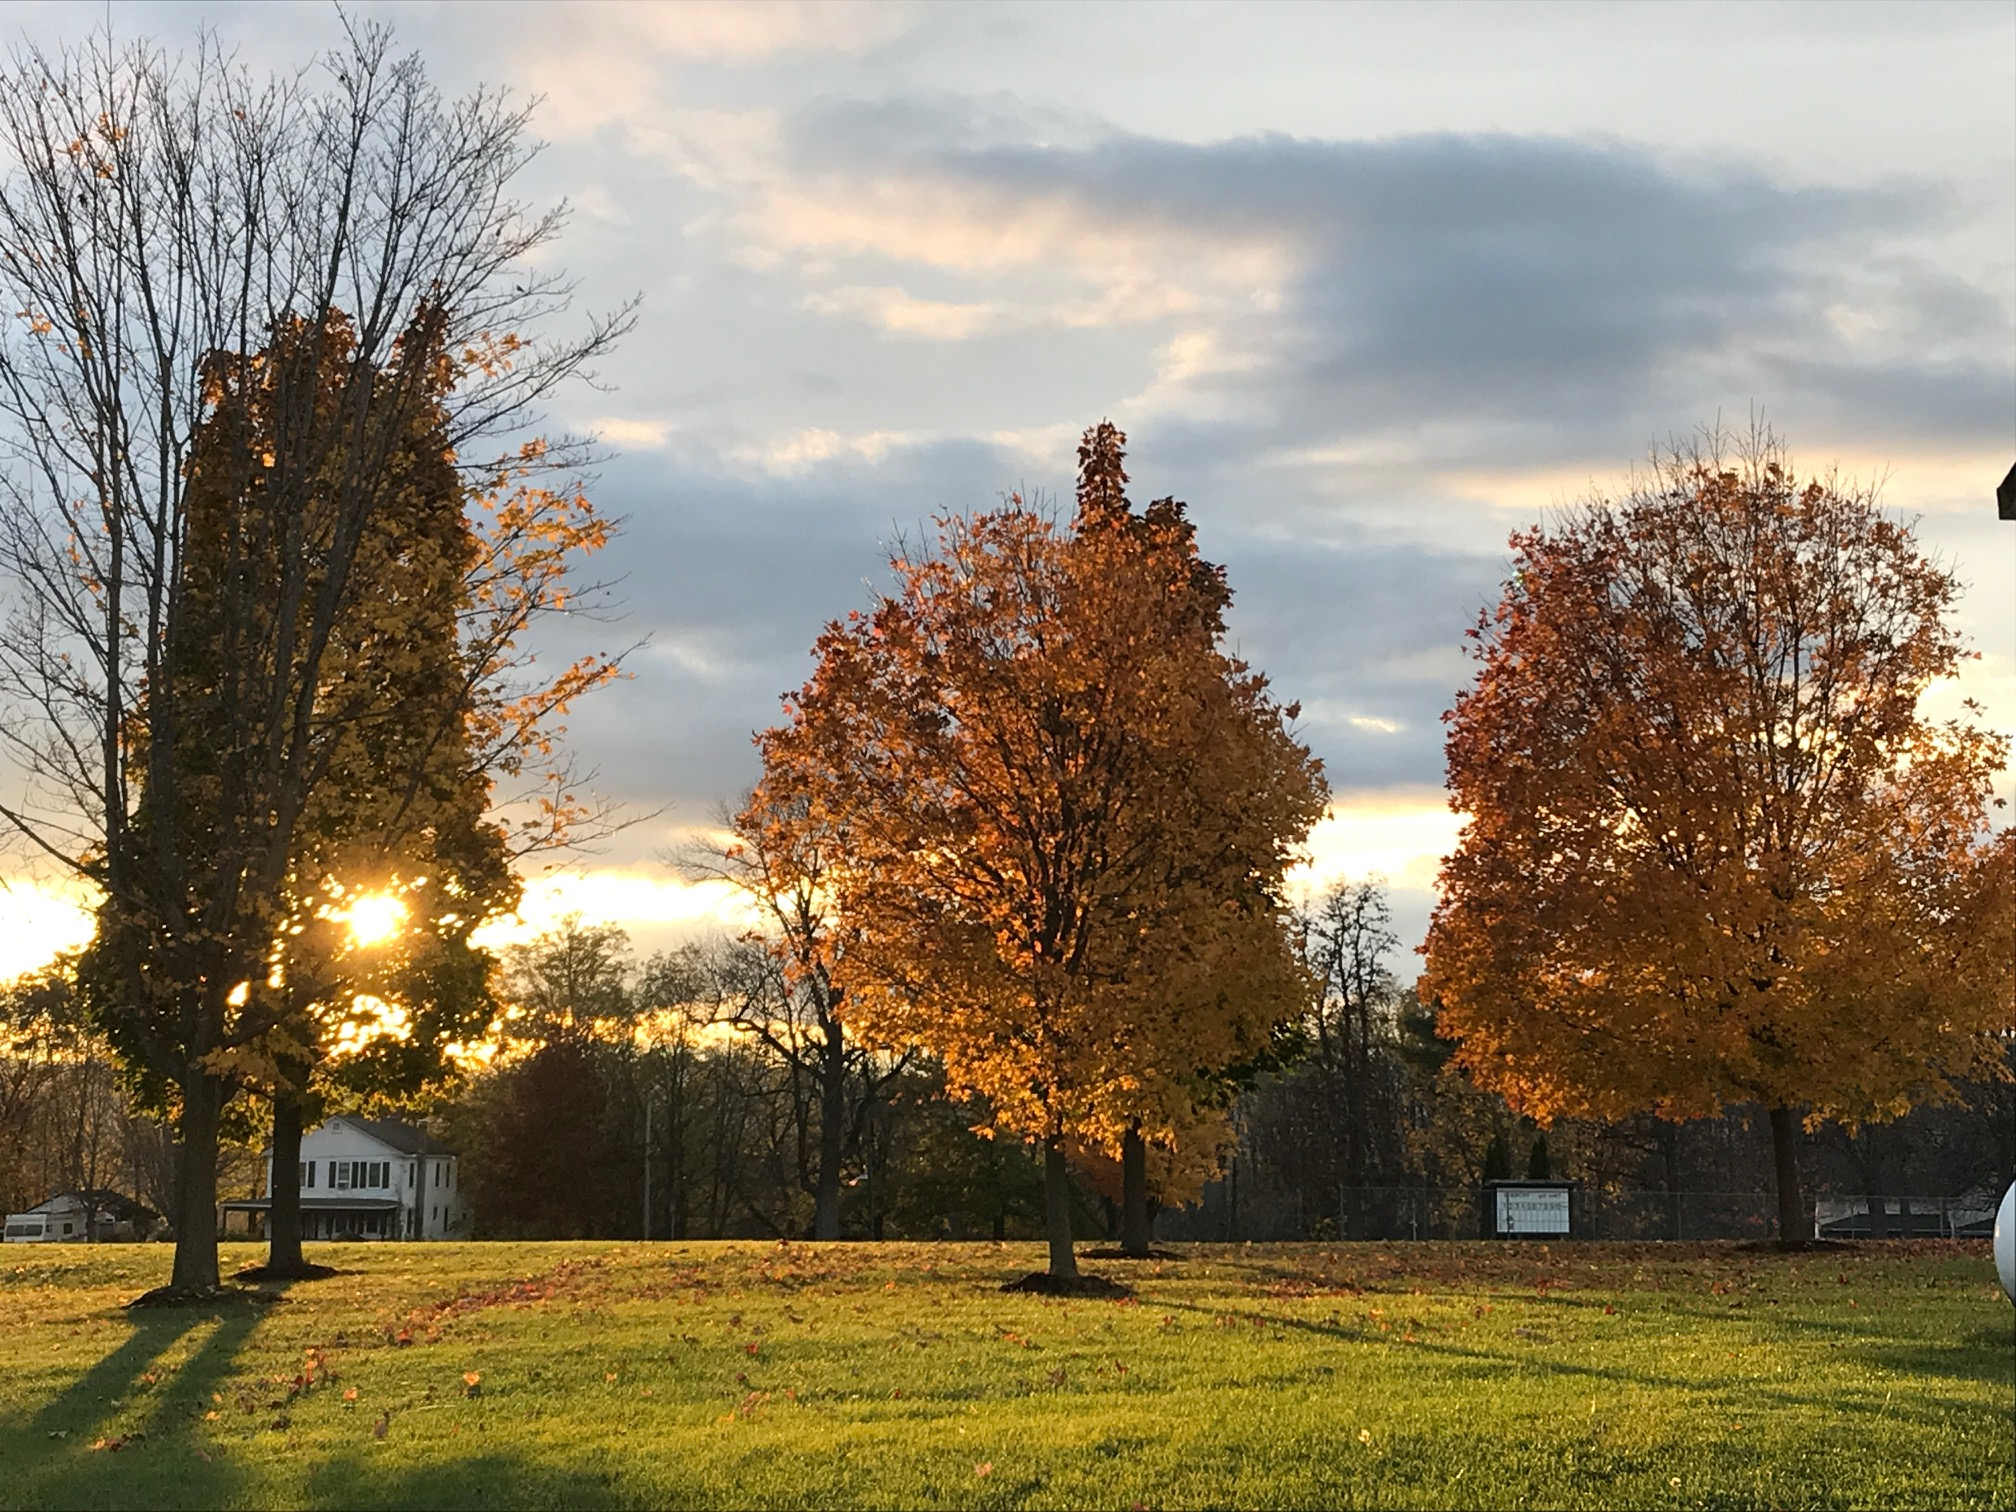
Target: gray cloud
[1566, 286]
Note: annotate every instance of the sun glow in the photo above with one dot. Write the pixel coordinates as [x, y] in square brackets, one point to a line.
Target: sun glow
[374, 919]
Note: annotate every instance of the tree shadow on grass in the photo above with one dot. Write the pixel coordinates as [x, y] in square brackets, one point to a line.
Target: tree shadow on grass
[1985, 1354]
[82, 1448]
[1481, 1362]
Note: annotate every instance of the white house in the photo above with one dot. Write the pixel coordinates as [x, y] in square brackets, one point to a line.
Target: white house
[75, 1217]
[371, 1178]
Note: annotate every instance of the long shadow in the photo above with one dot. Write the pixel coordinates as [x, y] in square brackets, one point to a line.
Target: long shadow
[1931, 1410]
[1986, 1355]
[56, 1459]
[85, 1403]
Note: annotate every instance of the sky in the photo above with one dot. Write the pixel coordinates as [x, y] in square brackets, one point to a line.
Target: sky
[1369, 286]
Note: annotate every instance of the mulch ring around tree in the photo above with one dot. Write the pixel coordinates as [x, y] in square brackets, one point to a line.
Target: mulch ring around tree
[1043, 1284]
[205, 1296]
[1792, 1246]
[1120, 1254]
[302, 1272]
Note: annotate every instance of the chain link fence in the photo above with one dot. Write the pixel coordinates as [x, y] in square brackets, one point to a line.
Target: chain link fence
[1419, 1212]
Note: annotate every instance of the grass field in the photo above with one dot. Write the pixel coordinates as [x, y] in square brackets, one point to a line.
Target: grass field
[605, 1375]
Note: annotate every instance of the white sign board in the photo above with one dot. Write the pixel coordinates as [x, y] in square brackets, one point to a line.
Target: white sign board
[1533, 1210]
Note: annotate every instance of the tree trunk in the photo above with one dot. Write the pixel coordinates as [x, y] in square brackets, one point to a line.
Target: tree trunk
[283, 1218]
[1137, 1229]
[1669, 1152]
[675, 1173]
[832, 1115]
[1057, 1208]
[195, 1268]
[1792, 1216]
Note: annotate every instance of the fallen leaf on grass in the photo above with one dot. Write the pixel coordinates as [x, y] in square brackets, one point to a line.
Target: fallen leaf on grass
[350, 1393]
[117, 1441]
[379, 1428]
[985, 1467]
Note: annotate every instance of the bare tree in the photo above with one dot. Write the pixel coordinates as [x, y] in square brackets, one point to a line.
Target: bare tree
[1347, 935]
[787, 995]
[163, 221]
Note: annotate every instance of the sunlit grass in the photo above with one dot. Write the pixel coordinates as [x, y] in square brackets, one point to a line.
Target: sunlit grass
[899, 1375]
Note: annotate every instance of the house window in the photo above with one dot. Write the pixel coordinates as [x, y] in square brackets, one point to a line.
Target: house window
[307, 1174]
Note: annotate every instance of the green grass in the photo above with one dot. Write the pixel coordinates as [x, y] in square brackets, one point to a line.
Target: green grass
[1576, 1375]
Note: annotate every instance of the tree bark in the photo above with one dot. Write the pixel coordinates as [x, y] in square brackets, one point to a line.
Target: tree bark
[1137, 1225]
[832, 1116]
[283, 1218]
[195, 1267]
[1057, 1208]
[1792, 1217]
[1669, 1154]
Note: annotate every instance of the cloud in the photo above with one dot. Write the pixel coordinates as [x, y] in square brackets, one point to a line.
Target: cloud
[633, 435]
[648, 903]
[1400, 835]
[601, 61]
[1533, 287]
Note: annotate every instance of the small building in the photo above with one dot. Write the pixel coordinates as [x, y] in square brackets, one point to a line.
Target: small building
[367, 1178]
[79, 1217]
[1968, 1216]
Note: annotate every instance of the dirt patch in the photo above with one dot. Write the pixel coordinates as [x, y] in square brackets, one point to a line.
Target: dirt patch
[529, 1291]
[297, 1273]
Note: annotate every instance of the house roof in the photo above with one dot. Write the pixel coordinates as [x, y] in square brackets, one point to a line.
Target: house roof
[402, 1137]
[118, 1204]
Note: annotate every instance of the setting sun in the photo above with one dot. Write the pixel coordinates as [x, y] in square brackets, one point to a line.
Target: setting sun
[374, 918]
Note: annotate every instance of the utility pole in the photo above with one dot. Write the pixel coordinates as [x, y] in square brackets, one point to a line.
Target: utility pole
[649, 1097]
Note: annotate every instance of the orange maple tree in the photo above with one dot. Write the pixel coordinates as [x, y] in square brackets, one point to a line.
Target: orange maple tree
[1715, 852]
[1056, 817]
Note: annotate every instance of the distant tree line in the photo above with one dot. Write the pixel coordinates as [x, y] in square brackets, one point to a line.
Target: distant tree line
[675, 1098]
